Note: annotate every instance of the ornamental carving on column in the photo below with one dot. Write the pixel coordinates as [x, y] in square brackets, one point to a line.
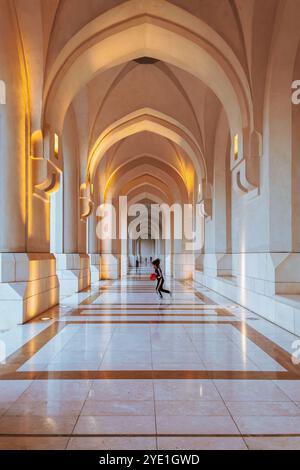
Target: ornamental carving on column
[245, 164]
[46, 163]
[205, 199]
[86, 200]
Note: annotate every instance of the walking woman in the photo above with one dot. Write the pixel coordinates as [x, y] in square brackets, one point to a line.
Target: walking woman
[160, 278]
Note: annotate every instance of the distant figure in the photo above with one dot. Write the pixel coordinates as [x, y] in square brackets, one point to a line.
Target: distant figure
[137, 263]
[151, 259]
[146, 260]
[160, 278]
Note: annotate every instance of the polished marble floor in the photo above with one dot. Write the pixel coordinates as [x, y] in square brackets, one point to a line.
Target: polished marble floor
[115, 367]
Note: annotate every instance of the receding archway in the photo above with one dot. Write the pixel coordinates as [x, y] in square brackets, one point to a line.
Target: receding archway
[153, 33]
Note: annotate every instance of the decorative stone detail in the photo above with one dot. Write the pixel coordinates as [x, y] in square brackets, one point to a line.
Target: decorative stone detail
[246, 169]
[206, 207]
[46, 165]
[206, 199]
[86, 202]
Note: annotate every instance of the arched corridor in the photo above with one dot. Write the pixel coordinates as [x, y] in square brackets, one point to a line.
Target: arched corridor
[132, 130]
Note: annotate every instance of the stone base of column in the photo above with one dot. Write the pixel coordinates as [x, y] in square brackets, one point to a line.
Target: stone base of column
[109, 267]
[95, 262]
[73, 271]
[183, 266]
[199, 261]
[28, 286]
[265, 283]
[131, 261]
[217, 264]
[123, 265]
[167, 262]
[268, 273]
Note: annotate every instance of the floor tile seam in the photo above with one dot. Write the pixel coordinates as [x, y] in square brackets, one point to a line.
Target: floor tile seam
[285, 393]
[158, 435]
[106, 348]
[230, 414]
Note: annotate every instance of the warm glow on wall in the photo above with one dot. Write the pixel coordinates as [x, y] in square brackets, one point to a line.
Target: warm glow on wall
[236, 146]
[189, 179]
[109, 183]
[56, 145]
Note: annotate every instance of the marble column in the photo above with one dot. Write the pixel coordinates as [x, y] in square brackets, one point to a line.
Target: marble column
[110, 262]
[73, 263]
[93, 241]
[28, 282]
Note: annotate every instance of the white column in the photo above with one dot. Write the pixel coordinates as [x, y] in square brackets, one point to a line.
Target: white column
[28, 282]
[73, 262]
[110, 248]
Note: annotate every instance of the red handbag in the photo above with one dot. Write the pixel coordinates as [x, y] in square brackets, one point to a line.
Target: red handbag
[152, 277]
